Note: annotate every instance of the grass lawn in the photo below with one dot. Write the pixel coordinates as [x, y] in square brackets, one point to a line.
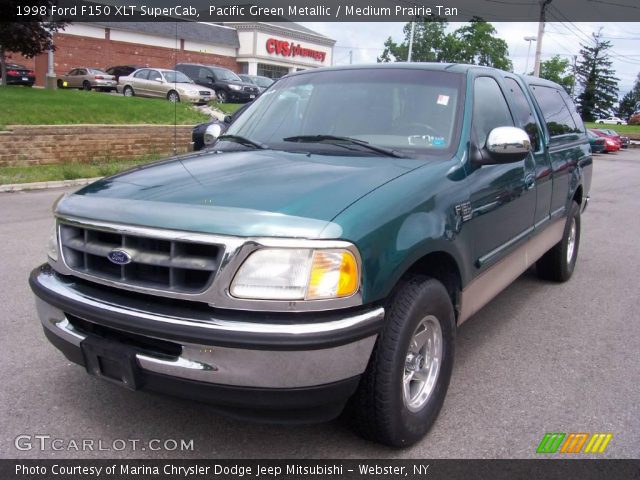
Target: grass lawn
[67, 171]
[625, 129]
[228, 108]
[36, 106]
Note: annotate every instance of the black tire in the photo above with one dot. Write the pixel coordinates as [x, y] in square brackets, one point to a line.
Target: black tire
[86, 86]
[222, 96]
[379, 409]
[557, 265]
[173, 96]
[128, 91]
[60, 84]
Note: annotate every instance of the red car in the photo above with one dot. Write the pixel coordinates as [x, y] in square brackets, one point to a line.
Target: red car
[611, 143]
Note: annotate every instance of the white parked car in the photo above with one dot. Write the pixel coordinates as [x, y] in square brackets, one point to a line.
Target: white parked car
[612, 121]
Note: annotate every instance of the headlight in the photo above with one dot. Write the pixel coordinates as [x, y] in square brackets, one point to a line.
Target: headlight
[52, 244]
[235, 87]
[297, 274]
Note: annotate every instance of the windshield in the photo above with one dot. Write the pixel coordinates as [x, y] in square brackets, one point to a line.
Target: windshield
[407, 110]
[224, 74]
[175, 77]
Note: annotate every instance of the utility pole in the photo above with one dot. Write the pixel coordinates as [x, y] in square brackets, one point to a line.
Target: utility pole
[528, 39]
[543, 7]
[573, 84]
[413, 29]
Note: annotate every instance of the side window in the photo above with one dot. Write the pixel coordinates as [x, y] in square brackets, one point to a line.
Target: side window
[490, 109]
[73, 72]
[154, 75]
[204, 74]
[577, 119]
[523, 113]
[142, 74]
[556, 113]
[81, 71]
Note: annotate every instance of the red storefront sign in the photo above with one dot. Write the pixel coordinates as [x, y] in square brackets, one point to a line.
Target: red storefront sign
[290, 49]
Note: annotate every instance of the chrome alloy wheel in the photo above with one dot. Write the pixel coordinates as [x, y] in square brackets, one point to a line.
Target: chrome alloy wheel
[422, 363]
[571, 242]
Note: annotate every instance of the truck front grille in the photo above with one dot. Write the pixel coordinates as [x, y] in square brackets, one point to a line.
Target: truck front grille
[171, 265]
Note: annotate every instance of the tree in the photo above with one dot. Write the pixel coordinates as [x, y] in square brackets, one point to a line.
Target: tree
[29, 38]
[558, 70]
[630, 102]
[474, 43]
[477, 44]
[599, 85]
[428, 43]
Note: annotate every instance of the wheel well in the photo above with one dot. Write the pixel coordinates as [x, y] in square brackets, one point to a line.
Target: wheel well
[578, 195]
[442, 267]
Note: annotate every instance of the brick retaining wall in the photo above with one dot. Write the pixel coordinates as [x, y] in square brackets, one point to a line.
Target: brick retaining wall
[50, 144]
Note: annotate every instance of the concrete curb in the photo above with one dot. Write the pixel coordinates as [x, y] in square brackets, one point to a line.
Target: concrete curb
[19, 187]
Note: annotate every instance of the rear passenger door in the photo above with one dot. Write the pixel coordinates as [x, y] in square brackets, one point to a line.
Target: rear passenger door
[139, 82]
[565, 139]
[502, 196]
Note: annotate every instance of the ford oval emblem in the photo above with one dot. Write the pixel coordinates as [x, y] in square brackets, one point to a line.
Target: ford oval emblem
[119, 257]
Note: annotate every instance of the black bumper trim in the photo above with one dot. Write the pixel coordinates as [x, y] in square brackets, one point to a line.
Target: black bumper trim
[200, 334]
[282, 405]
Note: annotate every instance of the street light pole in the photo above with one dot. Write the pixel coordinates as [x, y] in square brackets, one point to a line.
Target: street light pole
[528, 39]
[543, 16]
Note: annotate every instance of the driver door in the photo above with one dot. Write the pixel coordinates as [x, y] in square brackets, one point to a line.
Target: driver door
[503, 196]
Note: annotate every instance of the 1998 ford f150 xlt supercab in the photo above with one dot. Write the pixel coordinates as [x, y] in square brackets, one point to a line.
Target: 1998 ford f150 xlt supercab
[325, 251]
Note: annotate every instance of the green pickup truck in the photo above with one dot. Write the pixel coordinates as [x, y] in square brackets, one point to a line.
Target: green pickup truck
[320, 257]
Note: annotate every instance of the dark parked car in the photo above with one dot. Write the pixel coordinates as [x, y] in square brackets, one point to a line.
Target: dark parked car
[262, 82]
[597, 143]
[228, 86]
[122, 70]
[328, 249]
[624, 141]
[206, 134]
[19, 75]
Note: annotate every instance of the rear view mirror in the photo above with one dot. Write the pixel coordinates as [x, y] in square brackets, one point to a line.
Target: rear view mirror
[212, 133]
[506, 145]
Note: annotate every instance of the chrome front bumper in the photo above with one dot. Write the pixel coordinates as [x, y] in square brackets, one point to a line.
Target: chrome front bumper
[216, 350]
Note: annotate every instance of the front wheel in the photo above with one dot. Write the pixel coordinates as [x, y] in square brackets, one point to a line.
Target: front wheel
[559, 262]
[222, 96]
[403, 388]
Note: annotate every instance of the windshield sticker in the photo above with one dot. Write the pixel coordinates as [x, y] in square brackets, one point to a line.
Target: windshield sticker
[443, 100]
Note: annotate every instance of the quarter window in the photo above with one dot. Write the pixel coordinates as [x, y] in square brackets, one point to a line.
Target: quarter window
[556, 113]
[490, 109]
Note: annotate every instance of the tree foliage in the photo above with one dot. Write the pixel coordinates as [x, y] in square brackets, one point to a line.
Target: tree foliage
[474, 43]
[598, 81]
[558, 70]
[29, 38]
[631, 101]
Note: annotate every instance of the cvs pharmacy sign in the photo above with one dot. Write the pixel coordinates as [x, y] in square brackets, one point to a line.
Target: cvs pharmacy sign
[290, 49]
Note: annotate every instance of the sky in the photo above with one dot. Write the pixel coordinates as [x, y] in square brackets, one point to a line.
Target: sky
[366, 41]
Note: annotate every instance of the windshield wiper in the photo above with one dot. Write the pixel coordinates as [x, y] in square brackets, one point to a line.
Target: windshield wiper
[244, 141]
[334, 138]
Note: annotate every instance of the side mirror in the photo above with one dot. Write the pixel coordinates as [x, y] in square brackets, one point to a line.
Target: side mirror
[505, 145]
[228, 119]
[212, 133]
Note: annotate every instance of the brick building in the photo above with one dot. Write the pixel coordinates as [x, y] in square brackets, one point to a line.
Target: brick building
[270, 49]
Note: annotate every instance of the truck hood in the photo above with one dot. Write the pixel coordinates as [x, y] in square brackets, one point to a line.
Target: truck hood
[246, 193]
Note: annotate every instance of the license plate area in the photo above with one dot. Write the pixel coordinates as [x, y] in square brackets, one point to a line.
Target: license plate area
[112, 361]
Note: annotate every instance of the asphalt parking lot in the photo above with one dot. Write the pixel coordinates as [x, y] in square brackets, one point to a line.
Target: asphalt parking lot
[540, 358]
